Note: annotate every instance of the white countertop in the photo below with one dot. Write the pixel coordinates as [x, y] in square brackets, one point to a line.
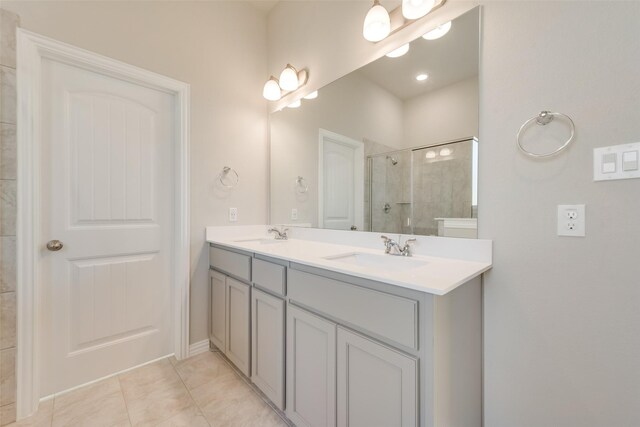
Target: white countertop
[448, 262]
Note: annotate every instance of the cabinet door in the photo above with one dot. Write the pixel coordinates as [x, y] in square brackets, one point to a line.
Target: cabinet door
[238, 332]
[377, 386]
[311, 369]
[217, 311]
[267, 345]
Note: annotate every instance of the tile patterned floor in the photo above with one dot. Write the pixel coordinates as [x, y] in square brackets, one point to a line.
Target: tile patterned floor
[200, 391]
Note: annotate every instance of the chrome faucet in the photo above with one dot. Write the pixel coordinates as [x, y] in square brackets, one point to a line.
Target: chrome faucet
[280, 234]
[392, 247]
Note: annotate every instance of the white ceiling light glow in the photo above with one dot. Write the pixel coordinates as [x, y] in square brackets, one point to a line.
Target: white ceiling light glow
[294, 104]
[422, 77]
[312, 95]
[414, 9]
[377, 23]
[438, 32]
[271, 90]
[430, 154]
[446, 152]
[289, 78]
[399, 51]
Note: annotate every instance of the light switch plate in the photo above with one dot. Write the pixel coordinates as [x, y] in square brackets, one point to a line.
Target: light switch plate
[571, 220]
[616, 162]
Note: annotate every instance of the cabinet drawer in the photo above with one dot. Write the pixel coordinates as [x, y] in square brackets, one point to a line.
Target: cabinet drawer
[233, 263]
[388, 316]
[269, 276]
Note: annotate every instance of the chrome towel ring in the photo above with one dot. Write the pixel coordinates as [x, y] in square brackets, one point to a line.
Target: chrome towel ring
[301, 185]
[543, 119]
[224, 179]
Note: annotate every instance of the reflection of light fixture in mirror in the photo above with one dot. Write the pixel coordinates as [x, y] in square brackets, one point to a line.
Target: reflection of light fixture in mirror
[438, 32]
[422, 77]
[430, 154]
[294, 104]
[414, 9]
[312, 95]
[271, 89]
[446, 151]
[377, 23]
[289, 78]
[399, 51]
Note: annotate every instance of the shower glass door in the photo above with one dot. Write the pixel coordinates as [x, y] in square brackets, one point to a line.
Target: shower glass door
[390, 193]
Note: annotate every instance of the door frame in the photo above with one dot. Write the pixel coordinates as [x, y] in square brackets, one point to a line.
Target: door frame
[358, 146]
[31, 50]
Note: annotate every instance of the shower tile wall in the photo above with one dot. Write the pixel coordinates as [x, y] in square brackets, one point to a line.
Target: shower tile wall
[8, 25]
[392, 186]
[441, 187]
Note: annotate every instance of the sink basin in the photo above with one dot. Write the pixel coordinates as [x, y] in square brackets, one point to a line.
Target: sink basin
[262, 241]
[384, 262]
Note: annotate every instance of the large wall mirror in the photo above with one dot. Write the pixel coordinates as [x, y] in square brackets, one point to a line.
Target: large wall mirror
[391, 147]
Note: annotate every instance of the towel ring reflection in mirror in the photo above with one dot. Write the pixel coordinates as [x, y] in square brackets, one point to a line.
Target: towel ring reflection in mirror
[228, 177]
[543, 119]
[301, 185]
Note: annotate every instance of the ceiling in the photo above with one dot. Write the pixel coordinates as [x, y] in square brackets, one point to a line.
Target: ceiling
[447, 60]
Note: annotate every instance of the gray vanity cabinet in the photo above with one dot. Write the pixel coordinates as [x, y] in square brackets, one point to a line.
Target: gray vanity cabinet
[217, 310]
[268, 347]
[376, 385]
[311, 369]
[237, 345]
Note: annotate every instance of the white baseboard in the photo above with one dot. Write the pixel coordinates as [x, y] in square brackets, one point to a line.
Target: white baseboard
[198, 347]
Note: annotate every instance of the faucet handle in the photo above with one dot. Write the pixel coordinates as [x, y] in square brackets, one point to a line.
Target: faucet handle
[385, 238]
[409, 241]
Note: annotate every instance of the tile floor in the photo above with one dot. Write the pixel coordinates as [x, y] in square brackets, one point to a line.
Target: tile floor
[200, 391]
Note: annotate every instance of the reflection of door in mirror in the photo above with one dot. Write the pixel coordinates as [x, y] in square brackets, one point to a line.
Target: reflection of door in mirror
[341, 182]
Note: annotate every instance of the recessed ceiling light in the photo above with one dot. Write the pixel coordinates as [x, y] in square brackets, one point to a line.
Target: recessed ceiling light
[446, 152]
[312, 95]
[294, 104]
[399, 51]
[430, 154]
[438, 32]
[422, 77]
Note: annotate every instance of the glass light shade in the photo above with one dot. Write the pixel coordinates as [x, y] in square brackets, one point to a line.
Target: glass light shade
[422, 77]
[271, 90]
[430, 154]
[294, 104]
[414, 9]
[399, 51]
[312, 95]
[377, 23]
[438, 32]
[289, 78]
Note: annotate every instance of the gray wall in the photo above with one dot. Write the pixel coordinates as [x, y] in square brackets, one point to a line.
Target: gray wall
[562, 340]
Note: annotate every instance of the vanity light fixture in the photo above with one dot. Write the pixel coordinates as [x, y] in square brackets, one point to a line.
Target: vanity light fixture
[312, 95]
[290, 80]
[414, 9]
[438, 32]
[377, 23]
[294, 104]
[271, 89]
[380, 23]
[422, 77]
[399, 51]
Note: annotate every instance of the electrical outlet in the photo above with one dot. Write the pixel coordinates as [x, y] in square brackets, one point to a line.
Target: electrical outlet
[233, 214]
[571, 220]
[294, 214]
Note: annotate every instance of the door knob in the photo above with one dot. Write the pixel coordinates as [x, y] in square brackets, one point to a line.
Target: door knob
[54, 245]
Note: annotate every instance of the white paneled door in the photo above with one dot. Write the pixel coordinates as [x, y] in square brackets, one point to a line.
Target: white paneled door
[107, 194]
[341, 182]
